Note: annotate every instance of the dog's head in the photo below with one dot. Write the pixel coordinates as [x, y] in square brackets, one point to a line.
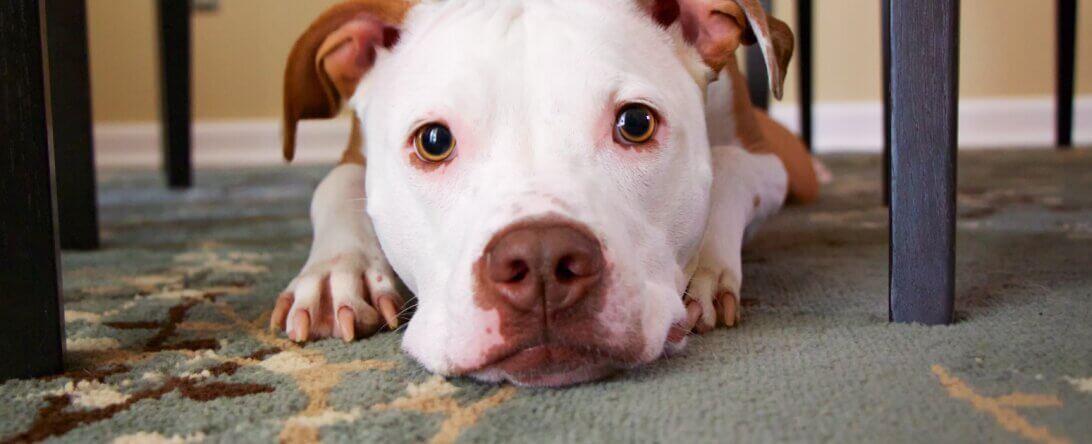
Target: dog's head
[538, 170]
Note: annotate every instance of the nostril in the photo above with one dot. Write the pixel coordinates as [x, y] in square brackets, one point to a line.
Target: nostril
[517, 271]
[572, 267]
[564, 272]
[510, 271]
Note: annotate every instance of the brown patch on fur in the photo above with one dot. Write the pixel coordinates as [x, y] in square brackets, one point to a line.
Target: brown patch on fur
[716, 28]
[354, 153]
[779, 36]
[760, 134]
[803, 182]
[309, 90]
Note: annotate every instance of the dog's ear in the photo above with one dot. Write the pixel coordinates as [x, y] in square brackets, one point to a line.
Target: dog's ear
[716, 28]
[332, 56]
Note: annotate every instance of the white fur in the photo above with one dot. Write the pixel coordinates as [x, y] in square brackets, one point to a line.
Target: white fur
[530, 88]
[344, 250]
[747, 188]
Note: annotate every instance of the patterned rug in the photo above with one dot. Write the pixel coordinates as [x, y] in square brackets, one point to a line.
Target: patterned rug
[167, 335]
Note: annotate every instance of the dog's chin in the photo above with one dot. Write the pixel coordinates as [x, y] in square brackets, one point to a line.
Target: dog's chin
[548, 366]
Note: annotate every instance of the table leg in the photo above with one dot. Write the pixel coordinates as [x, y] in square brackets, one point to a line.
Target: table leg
[1067, 50]
[31, 323]
[885, 20]
[804, 37]
[175, 90]
[924, 38]
[73, 147]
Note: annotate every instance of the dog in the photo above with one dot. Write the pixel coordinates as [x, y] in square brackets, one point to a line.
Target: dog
[564, 186]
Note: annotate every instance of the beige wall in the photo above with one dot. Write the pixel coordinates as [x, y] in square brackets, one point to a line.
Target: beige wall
[1007, 50]
[238, 57]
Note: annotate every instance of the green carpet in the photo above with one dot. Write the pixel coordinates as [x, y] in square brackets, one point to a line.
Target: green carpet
[167, 339]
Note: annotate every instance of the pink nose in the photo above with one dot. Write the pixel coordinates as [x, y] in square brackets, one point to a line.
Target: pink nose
[543, 268]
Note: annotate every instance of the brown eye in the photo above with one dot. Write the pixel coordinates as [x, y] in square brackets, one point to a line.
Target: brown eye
[434, 142]
[635, 125]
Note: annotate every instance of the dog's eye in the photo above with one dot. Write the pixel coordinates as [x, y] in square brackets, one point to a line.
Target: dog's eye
[635, 125]
[434, 142]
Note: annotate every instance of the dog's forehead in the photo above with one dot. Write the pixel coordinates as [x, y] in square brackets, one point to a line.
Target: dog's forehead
[481, 58]
[515, 39]
[505, 19]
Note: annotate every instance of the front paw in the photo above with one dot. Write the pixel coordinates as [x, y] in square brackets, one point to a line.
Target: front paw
[345, 295]
[712, 299]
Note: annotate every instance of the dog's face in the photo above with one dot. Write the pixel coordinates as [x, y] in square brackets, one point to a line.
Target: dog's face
[539, 176]
[546, 247]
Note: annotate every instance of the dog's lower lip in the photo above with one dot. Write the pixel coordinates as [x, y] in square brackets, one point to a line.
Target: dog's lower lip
[553, 365]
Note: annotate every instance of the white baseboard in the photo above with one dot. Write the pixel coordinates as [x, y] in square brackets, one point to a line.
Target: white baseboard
[221, 143]
[839, 127]
[988, 123]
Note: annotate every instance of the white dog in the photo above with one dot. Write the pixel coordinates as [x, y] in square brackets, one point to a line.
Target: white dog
[547, 177]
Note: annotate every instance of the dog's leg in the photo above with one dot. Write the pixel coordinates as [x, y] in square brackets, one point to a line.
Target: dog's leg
[346, 286]
[747, 188]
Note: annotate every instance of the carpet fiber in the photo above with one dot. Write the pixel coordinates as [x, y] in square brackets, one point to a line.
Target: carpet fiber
[167, 334]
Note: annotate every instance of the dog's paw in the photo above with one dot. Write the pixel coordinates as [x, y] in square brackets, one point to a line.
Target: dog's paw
[348, 295]
[712, 299]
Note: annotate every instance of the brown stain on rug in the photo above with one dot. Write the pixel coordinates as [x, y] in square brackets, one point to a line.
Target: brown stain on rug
[176, 319]
[56, 418]
[91, 375]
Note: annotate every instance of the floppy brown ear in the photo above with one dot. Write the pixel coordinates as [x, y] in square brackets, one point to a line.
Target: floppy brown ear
[332, 56]
[782, 42]
[716, 28]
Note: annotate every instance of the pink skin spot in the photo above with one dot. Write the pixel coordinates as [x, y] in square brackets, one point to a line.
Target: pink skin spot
[488, 330]
[379, 278]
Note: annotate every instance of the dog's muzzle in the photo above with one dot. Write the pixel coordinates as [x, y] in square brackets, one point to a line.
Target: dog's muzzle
[547, 281]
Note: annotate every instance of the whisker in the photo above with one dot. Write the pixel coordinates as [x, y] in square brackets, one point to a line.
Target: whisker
[407, 310]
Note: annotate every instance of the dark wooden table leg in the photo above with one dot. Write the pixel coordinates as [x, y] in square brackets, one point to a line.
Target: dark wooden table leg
[924, 100]
[73, 148]
[31, 322]
[1067, 50]
[804, 37]
[757, 80]
[175, 90]
[885, 29]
